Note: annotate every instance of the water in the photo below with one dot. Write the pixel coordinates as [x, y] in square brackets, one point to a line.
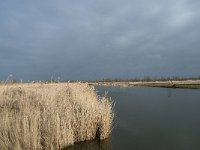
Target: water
[152, 119]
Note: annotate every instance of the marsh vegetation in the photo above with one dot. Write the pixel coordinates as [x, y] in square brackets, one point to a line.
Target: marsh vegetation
[52, 116]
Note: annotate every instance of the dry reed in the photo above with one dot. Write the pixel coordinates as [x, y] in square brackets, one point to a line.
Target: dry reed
[52, 116]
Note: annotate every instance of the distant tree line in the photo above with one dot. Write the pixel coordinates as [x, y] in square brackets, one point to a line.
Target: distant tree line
[145, 79]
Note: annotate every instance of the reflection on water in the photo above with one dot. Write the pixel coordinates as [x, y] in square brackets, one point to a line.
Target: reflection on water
[92, 145]
[170, 92]
[151, 119]
[155, 118]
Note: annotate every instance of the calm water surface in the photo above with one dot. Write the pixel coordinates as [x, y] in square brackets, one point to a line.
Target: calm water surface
[151, 119]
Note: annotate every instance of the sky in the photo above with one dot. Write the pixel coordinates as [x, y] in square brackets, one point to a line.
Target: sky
[95, 39]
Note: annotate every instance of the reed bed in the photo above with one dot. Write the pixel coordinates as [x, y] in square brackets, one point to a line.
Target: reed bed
[52, 116]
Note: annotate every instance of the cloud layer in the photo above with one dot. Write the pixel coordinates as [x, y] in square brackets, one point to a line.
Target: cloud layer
[96, 39]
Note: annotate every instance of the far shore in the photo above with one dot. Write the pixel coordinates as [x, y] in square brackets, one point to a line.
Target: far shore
[186, 84]
[190, 84]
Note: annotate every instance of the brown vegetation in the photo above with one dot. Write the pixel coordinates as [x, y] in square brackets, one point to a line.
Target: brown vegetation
[190, 84]
[52, 116]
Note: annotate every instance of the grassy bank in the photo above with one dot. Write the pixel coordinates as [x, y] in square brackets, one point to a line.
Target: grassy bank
[52, 116]
[191, 84]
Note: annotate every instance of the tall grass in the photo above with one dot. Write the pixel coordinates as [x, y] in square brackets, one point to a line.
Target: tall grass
[52, 116]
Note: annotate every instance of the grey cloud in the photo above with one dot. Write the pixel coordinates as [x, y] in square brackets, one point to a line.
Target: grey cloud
[96, 39]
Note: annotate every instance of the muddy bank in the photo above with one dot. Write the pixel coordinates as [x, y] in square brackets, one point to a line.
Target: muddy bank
[191, 84]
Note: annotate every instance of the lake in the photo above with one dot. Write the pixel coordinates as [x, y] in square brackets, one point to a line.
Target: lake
[149, 118]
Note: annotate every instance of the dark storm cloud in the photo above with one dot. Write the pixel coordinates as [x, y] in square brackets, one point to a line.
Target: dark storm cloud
[95, 39]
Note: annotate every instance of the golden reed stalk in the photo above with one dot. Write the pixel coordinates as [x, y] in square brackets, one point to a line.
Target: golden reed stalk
[52, 116]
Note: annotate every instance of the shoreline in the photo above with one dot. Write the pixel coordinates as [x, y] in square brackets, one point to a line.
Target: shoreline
[186, 84]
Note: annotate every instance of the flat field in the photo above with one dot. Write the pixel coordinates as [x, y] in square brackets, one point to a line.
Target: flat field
[191, 84]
